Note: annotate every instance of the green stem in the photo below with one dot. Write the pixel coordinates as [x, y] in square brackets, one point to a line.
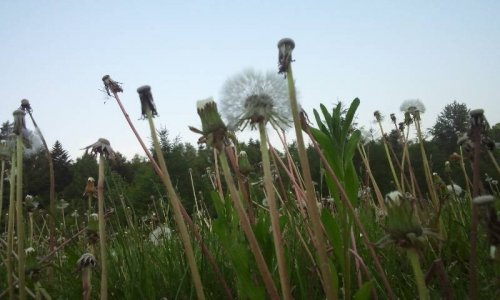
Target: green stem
[312, 207]
[247, 229]
[20, 222]
[102, 229]
[176, 206]
[389, 159]
[1, 188]
[273, 211]
[427, 169]
[52, 191]
[423, 292]
[11, 221]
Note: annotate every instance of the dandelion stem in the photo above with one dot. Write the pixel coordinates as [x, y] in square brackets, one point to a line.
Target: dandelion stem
[425, 161]
[476, 179]
[312, 208]
[273, 211]
[423, 292]
[156, 168]
[389, 159]
[176, 206]
[52, 190]
[10, 227]
[102, 228]
[247, 229]
[20, 221]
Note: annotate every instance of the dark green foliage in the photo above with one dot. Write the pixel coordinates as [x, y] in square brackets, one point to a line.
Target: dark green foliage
[454, 118]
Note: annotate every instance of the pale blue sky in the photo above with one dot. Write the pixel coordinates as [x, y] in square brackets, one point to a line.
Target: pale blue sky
[54, 53]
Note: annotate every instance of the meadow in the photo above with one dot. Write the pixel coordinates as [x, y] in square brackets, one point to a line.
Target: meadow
[336, 214]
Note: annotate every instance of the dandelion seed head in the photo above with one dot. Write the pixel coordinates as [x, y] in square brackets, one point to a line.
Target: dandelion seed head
[454, 188]
[483, 200]
[250, 97]
[412, 106]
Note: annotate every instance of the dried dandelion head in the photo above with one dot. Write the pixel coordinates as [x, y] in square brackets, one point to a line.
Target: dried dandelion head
[252, 97]
[111, 86]
[285, 47]
[25, 106]
[147, 102]
[87, 260]
[103, 147]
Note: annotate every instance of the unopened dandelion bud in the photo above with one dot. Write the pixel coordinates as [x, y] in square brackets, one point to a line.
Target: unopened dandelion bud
[477, 117]
[483, 200]
[211, 120]
[285, 46]
[147, 102]
[378, 116]
[244, 164]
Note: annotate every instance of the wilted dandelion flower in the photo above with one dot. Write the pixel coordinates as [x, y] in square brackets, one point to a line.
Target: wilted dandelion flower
[85, 261]
[285, 47]
[103, 147]
[147, 102]
[252, 97]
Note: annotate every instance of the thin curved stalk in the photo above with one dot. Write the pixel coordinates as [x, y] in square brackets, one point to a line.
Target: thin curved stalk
[247, 229]
[52, 190]
[388, 155]
[273, 211]
[187, 218]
